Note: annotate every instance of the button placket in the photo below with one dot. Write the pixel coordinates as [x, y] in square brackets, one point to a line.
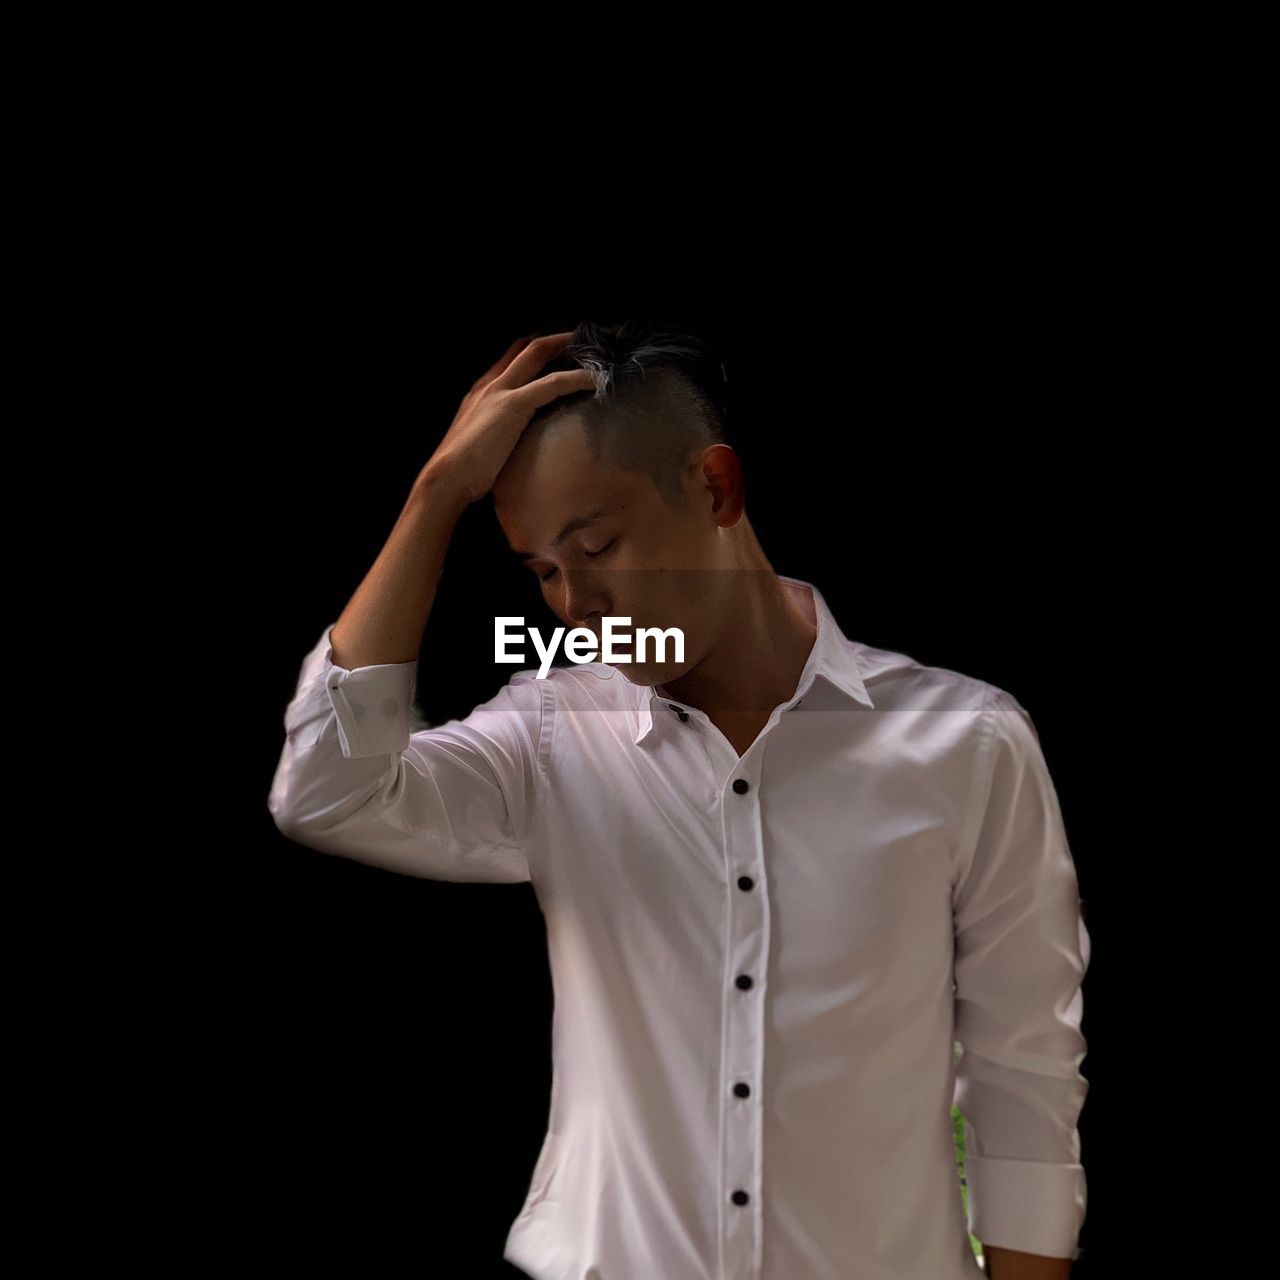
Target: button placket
[748, 949]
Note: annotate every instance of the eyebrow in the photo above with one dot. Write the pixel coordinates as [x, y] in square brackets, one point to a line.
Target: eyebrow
[570, 526]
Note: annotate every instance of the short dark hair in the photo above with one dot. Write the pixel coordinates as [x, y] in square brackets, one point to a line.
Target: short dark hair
[660, 395]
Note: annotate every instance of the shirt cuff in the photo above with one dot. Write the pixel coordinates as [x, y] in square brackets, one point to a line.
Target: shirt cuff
[1026, 1205]
[372, 704]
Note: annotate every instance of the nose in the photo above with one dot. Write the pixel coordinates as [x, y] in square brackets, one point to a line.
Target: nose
[585, 601]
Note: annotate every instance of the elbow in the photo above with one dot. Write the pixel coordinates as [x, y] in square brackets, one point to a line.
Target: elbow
[313, 819]
[298, 802]
[294, 824]
[313, 802]
[290, 817]
[286, 821]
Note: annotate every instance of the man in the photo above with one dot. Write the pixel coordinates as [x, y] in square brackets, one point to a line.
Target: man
[783, 874]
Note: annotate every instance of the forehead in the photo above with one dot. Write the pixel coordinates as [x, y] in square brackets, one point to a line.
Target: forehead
[552, 476]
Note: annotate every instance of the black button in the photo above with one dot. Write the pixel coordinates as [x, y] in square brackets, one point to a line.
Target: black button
[741, 785]
[740, 1197]
[742, 1090]
[745, 882]
[744, 981]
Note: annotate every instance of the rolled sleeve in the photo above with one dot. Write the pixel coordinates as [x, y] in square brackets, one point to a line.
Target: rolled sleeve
[372, 706]
[1021, 954]
[450, 802]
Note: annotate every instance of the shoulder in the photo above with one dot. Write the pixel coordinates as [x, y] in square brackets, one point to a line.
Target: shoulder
[996, 718]
[538, 699]
[594, 684]
[899, 681]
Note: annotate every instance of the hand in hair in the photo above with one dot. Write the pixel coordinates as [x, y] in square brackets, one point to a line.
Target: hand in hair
[496, 410]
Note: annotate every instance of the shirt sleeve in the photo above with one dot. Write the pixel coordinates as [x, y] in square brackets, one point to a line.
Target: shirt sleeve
[455, 801]
[1021, 953]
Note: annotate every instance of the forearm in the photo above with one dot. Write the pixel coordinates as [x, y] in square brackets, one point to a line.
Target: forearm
[386, 617]
[1009, 1264]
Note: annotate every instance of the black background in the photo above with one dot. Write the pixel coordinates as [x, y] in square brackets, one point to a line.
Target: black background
[989, 336]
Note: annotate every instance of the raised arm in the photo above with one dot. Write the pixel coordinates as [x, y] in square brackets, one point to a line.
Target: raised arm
[386, 617]
[452, 802]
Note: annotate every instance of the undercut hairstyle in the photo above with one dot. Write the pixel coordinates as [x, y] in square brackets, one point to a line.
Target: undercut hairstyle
[660, 395]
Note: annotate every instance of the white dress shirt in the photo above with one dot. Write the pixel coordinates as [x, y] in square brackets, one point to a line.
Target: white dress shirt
[761, 965]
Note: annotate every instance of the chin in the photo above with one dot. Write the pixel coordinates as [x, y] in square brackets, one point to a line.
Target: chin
[646, 673]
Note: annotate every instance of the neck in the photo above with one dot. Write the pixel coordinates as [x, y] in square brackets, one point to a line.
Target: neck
[766, 640]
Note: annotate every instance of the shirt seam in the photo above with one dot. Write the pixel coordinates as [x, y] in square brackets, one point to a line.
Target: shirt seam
[980, 782]
[542, 771]
[546, 715]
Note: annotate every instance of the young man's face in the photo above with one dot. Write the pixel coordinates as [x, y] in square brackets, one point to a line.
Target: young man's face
[639, 559]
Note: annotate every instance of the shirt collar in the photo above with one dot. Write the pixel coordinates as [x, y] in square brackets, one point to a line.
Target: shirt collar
[832, 657]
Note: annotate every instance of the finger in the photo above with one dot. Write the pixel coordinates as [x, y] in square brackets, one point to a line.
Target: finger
[525, 367]
[500, 364]
[544, 390]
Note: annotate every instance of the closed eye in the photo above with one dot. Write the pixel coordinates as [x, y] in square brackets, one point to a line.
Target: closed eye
[591, 555]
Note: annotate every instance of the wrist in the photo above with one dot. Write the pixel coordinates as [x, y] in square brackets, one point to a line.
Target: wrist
[437, 485]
